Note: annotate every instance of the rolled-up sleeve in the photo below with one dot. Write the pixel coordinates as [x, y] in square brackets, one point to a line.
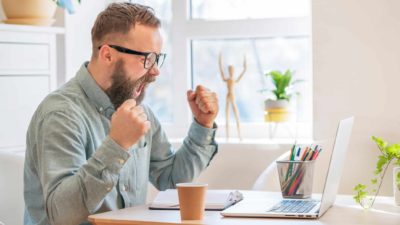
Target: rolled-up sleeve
[169, 167]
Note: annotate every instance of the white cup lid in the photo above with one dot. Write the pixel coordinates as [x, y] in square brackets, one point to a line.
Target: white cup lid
[191, 185]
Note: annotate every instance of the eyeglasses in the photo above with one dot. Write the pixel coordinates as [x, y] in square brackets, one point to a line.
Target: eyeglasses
[150, 58]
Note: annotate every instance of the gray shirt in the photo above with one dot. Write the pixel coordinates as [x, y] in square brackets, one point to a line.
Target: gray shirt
[74, 169]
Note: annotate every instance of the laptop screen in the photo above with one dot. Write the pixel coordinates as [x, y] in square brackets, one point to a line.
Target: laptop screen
[336, 164]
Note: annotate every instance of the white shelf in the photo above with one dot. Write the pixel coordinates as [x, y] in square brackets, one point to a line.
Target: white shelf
[28, 72]
[28, 28]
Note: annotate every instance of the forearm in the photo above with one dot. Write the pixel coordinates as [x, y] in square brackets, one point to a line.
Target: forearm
[193, 157]
[191, 160]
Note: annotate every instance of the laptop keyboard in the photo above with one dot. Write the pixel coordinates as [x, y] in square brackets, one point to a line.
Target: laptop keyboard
[293, 206]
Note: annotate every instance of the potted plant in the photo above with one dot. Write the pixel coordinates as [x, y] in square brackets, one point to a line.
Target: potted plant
[389, 154]
[34, 12]
[276, 106]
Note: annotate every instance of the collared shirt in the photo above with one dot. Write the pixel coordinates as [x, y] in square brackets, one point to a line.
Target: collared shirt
[74, 169]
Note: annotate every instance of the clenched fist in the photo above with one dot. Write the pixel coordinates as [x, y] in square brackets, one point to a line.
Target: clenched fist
[128, 124]
[204, 105]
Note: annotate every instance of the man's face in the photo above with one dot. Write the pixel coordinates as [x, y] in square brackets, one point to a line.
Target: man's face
[129, 77]
[124, 88]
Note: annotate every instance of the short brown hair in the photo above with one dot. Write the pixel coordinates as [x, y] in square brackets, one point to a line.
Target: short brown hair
[118, 19]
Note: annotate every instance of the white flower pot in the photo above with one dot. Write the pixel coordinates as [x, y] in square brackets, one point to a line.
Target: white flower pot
[276, 110]
[396, 187]
[273, 104]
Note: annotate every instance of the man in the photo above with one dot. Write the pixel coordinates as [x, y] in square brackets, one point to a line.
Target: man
[92, 147]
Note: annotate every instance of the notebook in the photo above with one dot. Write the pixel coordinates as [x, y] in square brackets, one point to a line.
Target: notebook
[215, 199]
[304, 208]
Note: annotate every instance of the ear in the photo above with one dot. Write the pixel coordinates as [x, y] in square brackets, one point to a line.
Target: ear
[106, 55]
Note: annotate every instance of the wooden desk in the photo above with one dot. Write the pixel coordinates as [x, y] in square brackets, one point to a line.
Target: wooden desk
[345, 211]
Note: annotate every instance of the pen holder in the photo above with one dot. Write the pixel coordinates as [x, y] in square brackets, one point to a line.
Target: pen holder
[296, 178]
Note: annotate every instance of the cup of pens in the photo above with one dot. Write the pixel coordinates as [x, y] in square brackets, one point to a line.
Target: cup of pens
[296, 174]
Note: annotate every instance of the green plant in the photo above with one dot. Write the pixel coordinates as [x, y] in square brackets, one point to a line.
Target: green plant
[283, 84]
[66, 4]
[389, 153]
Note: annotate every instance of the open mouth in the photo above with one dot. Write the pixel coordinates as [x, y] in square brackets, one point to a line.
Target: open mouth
[142, 85]
[139, 89]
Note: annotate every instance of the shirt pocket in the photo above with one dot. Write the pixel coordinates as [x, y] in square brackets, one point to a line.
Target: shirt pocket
[141, 156]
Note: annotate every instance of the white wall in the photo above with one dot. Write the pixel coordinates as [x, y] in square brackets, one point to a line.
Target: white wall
[356, 52]
[77, 34]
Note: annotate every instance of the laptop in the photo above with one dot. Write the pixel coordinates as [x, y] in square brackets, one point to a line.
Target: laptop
[304, 208]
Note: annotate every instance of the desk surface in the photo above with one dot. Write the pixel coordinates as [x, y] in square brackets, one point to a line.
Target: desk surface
[344, 211]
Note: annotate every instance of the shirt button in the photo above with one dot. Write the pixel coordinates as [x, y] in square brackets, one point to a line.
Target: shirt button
[101, 109]
[123, 188]
[108, 188]
[209, 138]
[121, 161]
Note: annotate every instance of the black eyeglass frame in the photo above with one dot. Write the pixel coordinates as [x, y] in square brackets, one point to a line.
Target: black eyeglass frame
[145, 54]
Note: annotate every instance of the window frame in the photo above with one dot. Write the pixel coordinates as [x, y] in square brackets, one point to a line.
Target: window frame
[184, 30]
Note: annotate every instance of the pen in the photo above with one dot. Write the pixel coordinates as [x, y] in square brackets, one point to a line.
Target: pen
[291, 156]
[298, 153]
[317, 153]
[310, 156]
[304, 156]
[289, 172]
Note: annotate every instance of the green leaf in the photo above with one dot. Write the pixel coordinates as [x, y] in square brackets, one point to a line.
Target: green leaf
[282, 82]
[374, 181]
[381, 143]
[360, 193]
[382, 160]
[296, 82]
[393, 150]
[276, 77]
[357, 199]
[359, 187]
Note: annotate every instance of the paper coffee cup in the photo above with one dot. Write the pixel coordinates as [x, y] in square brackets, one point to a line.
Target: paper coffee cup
[192, 200]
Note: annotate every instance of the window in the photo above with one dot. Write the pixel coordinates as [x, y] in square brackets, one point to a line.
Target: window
[274, 35]
[261, 54]
[159, 95]
[248, 9]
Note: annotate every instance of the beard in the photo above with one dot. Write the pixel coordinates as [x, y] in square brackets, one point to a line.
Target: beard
[123, 88]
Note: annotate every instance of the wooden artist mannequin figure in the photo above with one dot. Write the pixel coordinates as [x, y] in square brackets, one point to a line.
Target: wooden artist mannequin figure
[230, 96]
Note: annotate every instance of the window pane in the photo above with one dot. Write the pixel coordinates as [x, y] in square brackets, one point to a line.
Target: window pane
[263, 55]
[159, 94]
[248, 9]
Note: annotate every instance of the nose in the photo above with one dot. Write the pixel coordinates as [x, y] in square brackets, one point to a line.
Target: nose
[154, 71]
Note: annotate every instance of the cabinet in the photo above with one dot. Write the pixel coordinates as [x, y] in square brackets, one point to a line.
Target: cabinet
[28, 72]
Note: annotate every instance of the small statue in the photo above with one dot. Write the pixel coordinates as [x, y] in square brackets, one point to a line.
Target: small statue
[230, 96]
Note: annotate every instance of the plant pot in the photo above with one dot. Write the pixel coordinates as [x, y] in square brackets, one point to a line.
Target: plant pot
[276, 110]
[29, 12]
[396, 185]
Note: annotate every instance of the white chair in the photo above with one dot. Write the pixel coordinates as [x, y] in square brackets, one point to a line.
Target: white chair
[11, 186]
[268, 180]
